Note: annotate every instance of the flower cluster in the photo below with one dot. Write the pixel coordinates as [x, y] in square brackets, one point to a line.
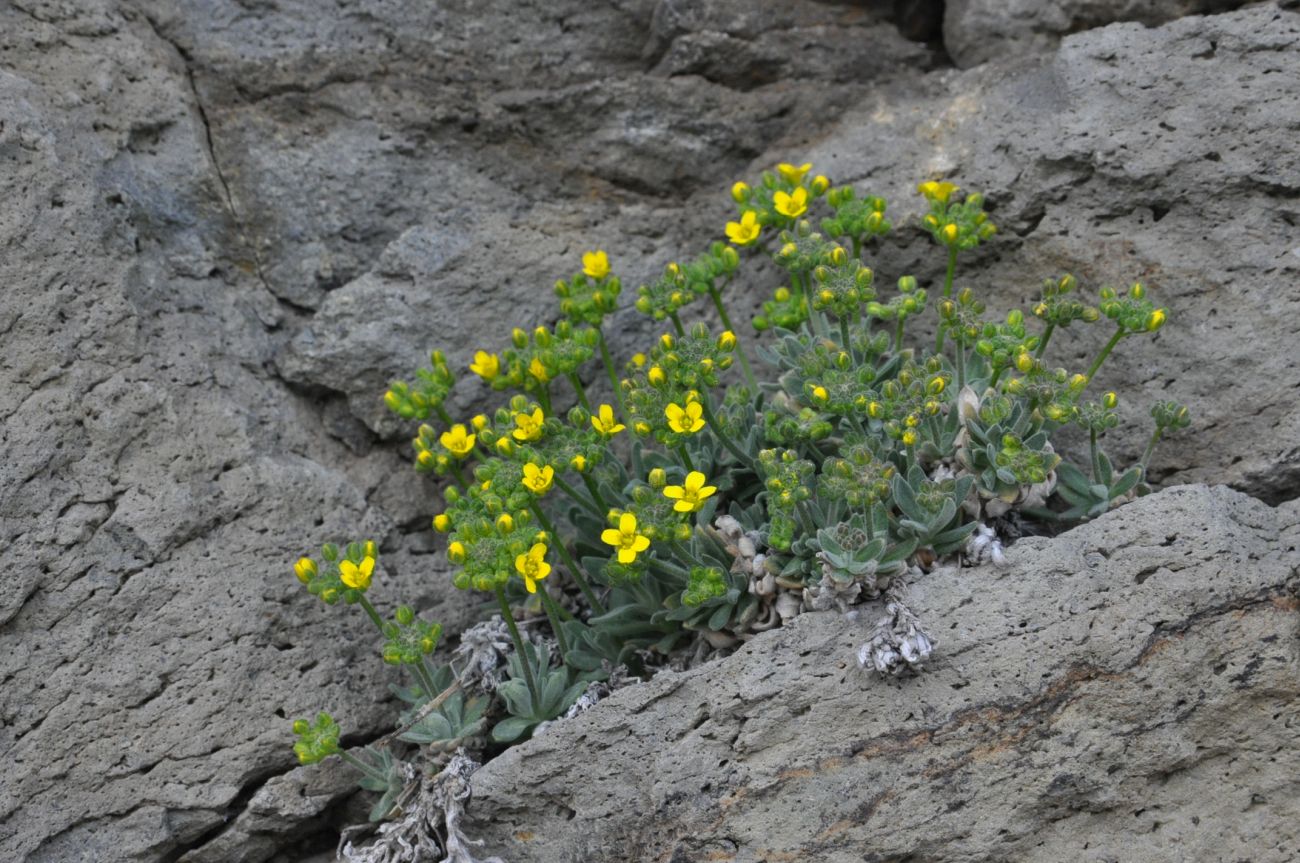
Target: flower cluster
[621, 514]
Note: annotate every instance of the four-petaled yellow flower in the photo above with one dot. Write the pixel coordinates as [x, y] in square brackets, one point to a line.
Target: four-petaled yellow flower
[537, 370]
[937, 192]
[685, 420]
[792, 174]
[745, 231]
[485, 365]
[625, 538]
[690, 497]
[538, 479]
[793, 205]
[606, 423]
[457, 441]
[528, 426]
[595, 264]
[357, 576]
[533, 566]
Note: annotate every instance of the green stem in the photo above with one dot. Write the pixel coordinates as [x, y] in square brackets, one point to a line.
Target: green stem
[365, 767]
[844, 334]
[594, 509]
[947, 291]
[374, 615]
[685, 554]
[595, 492]
[1047, 336]
[993, 381]
[961, 365]
[444, 416]
[1105, 352]
[544, 398]
[574, 570]
[580, 390]
[898, 334]
[857, 247]
[422, 675]
[613, 375]
[680, 449]
[740, 352]
[722, 436]
[677, 323]
[525, 660]
[1151, 446]
[553, 615]
[1096, 462]
[459, 477]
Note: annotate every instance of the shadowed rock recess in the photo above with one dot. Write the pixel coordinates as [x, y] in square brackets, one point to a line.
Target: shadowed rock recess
[225, 225]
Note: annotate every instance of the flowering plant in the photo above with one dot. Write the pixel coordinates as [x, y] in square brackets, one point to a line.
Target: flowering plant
[687, 502]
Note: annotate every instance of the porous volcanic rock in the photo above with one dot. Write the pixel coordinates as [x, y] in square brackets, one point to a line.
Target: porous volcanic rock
[226, 225]
[1129, 690]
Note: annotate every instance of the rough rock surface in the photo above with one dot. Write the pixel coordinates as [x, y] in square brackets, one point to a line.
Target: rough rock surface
[225, 225]
[1129, 690]
[975, 31]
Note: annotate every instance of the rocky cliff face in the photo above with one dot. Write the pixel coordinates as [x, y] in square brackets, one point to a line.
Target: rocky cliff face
[1129, 690]
[225, 225]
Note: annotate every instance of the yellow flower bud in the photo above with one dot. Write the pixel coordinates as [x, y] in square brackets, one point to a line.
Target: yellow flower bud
[305, 569]
[740, 193]
[505, 446]
[839, 257]
[442, 522]
[950, 232]
[656, 376]
[788, 249]
[1024, 362]
[479, 422]
[1137, 292]
[641, 428]
[658, 478]
[909, 438]
[820, 395]
[505, 522]
[1155, 320]
[638, 360]
[579, 463]
[727, 341]
[456, 552]
[667, 341]
[819, 184]
[1109, 401]
[874, 410]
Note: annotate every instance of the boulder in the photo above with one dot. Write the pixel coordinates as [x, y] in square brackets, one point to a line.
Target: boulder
[1127, 690]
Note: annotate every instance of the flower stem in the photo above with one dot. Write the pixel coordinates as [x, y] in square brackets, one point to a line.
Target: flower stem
[740, 352]
[365, 767]
[1105, 352]
[680, 449]
[594, 509]
[898, 334]
[459, 477]
[685, 554]
[677, 323]
[580, 390]
[1047, 336]
[722, 436]
[1151, 446]
[947, 291]
[525, 660]
[574, 570]
[595, 492]
[1096, 461]
[374, 615]
[422, 675]
[553, 615]
[613, 375]
[443, 415]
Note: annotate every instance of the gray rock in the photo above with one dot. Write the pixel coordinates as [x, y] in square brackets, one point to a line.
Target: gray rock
[1131, 154]
[1124, 691]
[976, 31]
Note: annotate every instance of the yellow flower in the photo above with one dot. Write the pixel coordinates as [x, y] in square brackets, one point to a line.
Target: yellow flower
[819, 184]
[305, 569]
[937, 192]
[793, 205]
[656, 376]
[625, 538]
[537, 370]
[606, 423]
[457, 441]
[479, 422]
[595, 264]
[740, 192]
[533, 566]
[745, 231]
[528, 426]
[687, 420]
[538, 479]
[690, 497]
[357, 576]
[485, 365]
[792, 174]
